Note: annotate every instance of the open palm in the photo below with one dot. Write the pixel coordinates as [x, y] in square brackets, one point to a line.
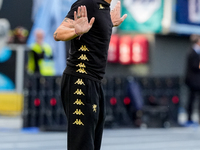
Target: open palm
[81, 23]
[116, 16]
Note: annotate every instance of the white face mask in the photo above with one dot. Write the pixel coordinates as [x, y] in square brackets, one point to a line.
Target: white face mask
[4, 32]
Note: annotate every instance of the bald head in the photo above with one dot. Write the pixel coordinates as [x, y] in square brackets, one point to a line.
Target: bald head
[39, 36]
[4, 32]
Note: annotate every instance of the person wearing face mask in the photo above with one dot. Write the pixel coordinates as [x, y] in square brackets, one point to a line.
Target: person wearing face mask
[192, 79]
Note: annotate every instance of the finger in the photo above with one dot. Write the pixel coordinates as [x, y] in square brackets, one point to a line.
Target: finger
[92, 21]
[85, 11]
[118, 5]
[75, 16]
[82, 11]
[79, 11]
[123, 17]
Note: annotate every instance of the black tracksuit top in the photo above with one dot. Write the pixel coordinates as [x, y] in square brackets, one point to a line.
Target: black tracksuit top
[88, 54]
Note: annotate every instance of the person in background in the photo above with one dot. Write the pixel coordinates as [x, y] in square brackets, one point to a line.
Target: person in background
[192, 79]
[6, 75]
[40, 57]
[89, 27]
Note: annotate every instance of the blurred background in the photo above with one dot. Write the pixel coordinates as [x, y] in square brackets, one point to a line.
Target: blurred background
[144, 82]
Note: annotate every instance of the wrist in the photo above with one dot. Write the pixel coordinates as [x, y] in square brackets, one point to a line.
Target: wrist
[76, 32]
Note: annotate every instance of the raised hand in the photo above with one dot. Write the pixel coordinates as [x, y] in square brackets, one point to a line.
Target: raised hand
[116, 16]
[81, 23]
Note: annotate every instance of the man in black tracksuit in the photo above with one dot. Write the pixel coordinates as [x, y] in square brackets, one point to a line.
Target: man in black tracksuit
[193, 74]
[81, 88]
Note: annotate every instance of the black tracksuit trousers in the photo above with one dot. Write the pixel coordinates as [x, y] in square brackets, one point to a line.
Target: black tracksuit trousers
[191, 102]
[84, 105]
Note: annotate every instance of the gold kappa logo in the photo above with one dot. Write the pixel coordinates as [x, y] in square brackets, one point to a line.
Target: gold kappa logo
[78, 112]
[81, 70]
[78, 122]
[83, 48]
[79, 92]
[83, 57]
[94, 108]
[101, 6]
[78, 102]
[81, 65]
[79, 82]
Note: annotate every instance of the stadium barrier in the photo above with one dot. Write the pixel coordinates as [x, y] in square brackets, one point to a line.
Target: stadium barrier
[130, 101]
